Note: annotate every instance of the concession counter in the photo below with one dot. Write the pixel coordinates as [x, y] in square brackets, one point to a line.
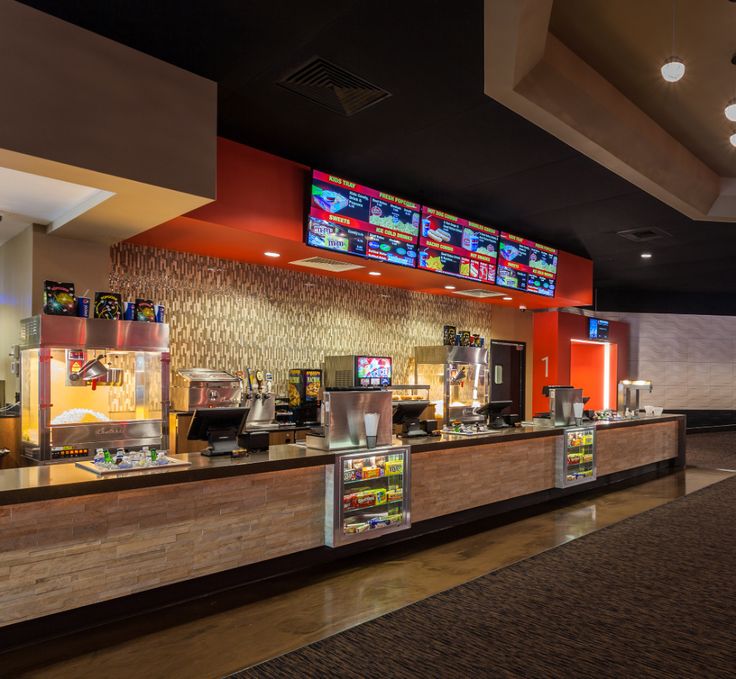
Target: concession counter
[241, 519]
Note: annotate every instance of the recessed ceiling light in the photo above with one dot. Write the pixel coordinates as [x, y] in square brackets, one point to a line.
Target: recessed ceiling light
[507, 299]
[646, 255]
[732, 139]
[449, 287]
[272, 254]
[374, 273]
[673, 69]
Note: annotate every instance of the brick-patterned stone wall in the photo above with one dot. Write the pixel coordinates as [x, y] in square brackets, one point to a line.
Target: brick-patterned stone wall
[448, 481]
[630, 447]
[453, 480]
[61, 554]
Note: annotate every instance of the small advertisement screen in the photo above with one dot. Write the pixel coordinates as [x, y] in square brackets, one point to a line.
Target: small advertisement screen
[357, 220]
[526, 266]
[457, 246]
[373, 371]
[597, 328]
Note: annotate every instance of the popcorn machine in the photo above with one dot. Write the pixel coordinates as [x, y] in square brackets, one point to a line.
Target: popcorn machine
[92, 383]
[458, 381]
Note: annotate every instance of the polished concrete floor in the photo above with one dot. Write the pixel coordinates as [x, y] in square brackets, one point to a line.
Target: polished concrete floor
[225, 641]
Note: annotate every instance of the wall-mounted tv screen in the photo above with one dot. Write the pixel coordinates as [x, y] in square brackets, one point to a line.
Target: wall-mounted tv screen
[597, 329]
[456, 246]
[526, 266]
[357, 220]
[373, 371]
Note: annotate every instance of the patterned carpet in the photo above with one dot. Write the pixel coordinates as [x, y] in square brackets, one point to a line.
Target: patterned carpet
[651, 596]
[715, 451]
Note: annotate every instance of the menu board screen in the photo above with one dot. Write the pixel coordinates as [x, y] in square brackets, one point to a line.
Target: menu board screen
[354, 219]
[597, 328]
[456, 246]
[373, 371]
[526, 266]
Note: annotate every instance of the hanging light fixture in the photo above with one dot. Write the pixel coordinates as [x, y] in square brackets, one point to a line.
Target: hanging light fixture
[730, 110]
[674, 68]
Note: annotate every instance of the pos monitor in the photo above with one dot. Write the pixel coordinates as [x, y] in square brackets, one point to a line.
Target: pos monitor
[220, 427]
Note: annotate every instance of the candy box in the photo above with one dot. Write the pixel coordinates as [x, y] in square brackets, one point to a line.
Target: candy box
[371, 472]
[366, 499]
[58, 299]
[108, 305]
[448, 335]
[395, 467]
[395, 494]
[145, 311]
[349, 474]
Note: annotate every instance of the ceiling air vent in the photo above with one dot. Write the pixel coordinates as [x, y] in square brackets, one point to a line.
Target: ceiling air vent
[333, 265]
[478, 293]
[643, 235]
[331, 86]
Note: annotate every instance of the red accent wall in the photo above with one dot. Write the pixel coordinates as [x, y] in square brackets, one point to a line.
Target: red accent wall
[553, 332]
[587, 369]
[260, 205]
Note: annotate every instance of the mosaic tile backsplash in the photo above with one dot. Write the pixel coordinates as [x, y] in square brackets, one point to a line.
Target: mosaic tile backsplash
[231, 315]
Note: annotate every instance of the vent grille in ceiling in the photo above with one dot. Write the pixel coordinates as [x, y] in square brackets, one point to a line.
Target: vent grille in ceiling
[333, 87]
[478, 293]
[334, 265]
[643, 235]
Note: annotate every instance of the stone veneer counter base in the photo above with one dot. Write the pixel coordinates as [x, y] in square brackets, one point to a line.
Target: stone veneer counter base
[65, 553]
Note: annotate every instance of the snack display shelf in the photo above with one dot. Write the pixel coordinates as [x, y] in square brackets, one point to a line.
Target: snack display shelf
[367, 494]
[576, 457]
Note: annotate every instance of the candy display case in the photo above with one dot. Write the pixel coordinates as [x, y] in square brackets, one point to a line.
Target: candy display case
[576, 457]
[367, 495]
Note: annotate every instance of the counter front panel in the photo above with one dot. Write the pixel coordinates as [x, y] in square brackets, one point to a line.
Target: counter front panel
[69, 538]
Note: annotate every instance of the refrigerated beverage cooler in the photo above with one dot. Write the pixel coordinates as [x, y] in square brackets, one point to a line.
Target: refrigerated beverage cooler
[576, 457]
[367, 495]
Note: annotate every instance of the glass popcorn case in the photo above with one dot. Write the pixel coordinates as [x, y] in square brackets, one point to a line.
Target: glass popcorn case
[458, 381]
[92, 383]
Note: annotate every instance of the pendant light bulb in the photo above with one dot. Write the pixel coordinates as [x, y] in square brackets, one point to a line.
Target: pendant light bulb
[673, 69]
[730, 110]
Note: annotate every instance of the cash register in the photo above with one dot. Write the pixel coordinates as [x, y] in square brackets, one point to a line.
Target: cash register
[224, 431]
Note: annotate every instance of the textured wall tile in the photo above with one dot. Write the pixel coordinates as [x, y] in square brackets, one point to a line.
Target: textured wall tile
[699, 352]
[232, 315]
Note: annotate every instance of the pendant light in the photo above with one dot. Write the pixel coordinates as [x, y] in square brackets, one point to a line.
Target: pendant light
[730, 110]
[674, 68]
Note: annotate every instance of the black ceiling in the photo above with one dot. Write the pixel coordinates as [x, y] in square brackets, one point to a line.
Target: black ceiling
[438, 139]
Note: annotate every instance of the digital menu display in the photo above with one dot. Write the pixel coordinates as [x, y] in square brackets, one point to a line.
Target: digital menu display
[526, 266]
[597, 328]
[373, 371]
[354, 219]
[456, 246]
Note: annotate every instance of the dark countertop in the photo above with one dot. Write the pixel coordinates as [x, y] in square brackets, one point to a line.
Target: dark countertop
[421, 444]
[48, 482]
